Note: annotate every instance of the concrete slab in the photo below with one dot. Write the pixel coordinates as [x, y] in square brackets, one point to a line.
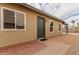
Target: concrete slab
[53, 48]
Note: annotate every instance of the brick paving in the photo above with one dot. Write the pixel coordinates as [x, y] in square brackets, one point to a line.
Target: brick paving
[25, 48]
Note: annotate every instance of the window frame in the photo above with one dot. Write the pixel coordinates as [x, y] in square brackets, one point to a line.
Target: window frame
[52, 26]
[15, 11]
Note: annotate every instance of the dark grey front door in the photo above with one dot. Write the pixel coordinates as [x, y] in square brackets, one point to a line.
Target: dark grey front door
[40, 27]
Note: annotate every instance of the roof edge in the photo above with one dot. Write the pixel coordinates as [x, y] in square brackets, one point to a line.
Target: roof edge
[40, 11]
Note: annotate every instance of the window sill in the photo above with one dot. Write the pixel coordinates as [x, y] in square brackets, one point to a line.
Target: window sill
[13, 30]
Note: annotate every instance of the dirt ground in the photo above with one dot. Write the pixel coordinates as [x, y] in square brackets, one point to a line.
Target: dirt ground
[71, 39]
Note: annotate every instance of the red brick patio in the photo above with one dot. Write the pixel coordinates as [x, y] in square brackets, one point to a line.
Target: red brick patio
[22, 48]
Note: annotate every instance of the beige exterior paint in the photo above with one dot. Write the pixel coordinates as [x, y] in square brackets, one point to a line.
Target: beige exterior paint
[14, 37]
[77, 29]
[56, 28]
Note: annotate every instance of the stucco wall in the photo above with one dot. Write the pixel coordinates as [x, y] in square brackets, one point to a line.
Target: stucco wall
[14, 37]
[0, 16]
[55, 31]
[77, 29]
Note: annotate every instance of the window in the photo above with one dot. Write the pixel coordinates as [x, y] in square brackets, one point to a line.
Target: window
[19, 21]
[9, 19]
[13, 19]
[51, 26]
[59, 27]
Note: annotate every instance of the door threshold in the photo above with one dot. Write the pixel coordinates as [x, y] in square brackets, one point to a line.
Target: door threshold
[42, 39]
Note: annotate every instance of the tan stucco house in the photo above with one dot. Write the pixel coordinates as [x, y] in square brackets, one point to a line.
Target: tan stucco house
[20, 22]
